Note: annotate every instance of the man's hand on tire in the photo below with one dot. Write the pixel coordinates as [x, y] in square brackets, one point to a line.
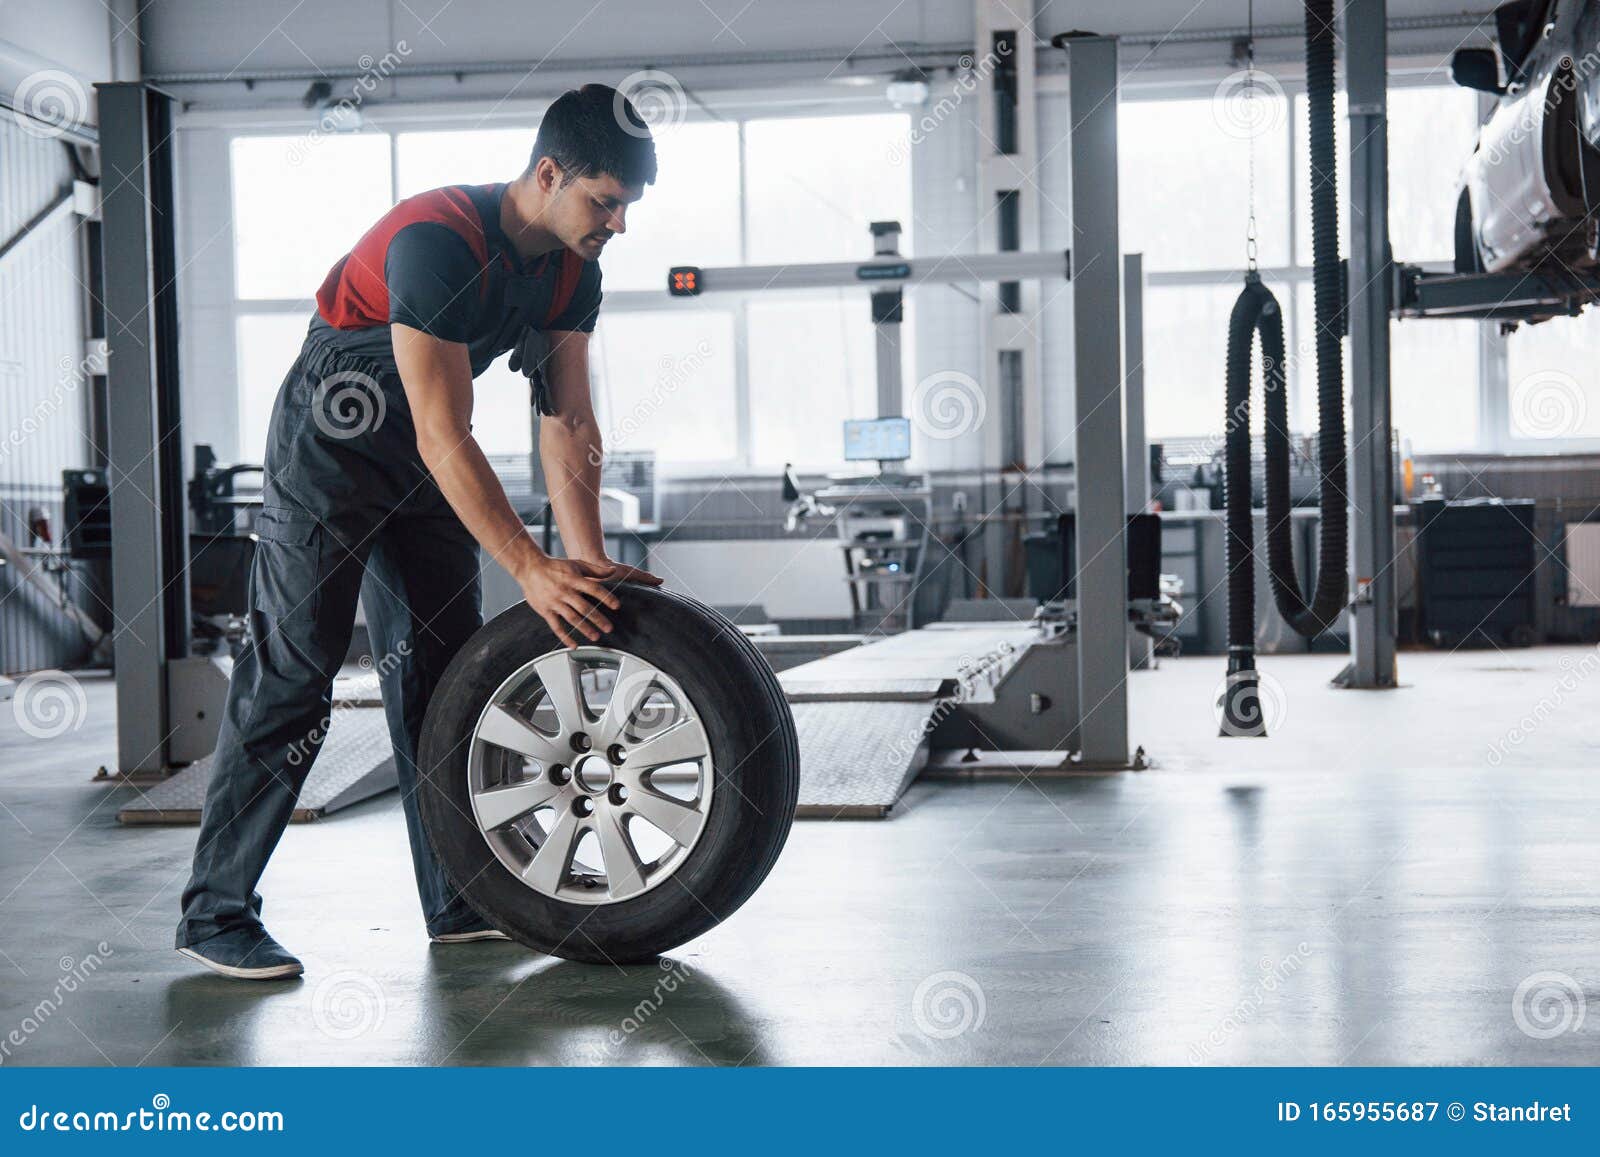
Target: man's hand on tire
[570, 595]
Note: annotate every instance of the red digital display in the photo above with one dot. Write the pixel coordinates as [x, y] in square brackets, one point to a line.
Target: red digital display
[684, 281]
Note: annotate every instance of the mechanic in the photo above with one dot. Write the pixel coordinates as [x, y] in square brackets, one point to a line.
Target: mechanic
[375, 486]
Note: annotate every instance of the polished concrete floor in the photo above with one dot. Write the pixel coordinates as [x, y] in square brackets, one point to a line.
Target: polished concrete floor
[1405, 877]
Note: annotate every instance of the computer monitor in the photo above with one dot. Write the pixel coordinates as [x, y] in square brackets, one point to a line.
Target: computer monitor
[877, 439]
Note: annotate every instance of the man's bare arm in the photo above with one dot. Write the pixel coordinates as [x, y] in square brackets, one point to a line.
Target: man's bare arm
[437, 377]
[571, 451]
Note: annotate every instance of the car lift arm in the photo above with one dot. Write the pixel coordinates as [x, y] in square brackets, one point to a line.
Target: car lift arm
[1513, 296]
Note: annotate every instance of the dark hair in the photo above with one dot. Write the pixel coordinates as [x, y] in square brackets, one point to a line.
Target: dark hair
[593, 130]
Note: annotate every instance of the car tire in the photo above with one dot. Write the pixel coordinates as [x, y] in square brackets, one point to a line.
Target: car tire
[748, 788]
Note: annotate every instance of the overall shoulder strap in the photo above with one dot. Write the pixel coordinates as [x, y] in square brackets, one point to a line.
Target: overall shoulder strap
[567, 278]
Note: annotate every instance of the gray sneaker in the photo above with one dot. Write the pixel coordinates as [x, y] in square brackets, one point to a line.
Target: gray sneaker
[245, 954]
[468, 935]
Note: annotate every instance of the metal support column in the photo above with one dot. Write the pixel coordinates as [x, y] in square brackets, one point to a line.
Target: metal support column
[1137, 459]
[1102, 581]
[1136, 456]
[888, 312]
[1008, 222]
[150, 586]
[1374, 621]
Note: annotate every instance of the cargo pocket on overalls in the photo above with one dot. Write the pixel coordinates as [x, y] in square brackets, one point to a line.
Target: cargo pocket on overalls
[289, 564]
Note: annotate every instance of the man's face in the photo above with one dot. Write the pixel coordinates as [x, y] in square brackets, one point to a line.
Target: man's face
[589, 211]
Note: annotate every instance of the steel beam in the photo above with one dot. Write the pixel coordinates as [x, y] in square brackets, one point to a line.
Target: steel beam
[1519, 295]
[1374, 618]
[881, 272]
[1136, 457]
[150, 588]
[1102, 581]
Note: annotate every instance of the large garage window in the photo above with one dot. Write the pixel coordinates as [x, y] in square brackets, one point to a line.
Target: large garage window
[1431, 131]
[300, 202]
[665, 380]
[815, 183]
[812, 365]
[1553, 381]
[719, 384]
[1184, 187]
[1185, 173]
[287, 232]
[430, 160]
[690, 216]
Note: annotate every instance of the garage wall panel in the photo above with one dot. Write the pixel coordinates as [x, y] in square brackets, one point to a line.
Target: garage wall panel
[43, 393]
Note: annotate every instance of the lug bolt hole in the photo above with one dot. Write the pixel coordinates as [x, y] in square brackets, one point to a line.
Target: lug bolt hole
[559, 774]
[615, 753]
[583, 806]
[618, 794]
[581, 742]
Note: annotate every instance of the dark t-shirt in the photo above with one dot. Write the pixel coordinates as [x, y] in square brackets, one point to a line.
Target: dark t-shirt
[439, 262]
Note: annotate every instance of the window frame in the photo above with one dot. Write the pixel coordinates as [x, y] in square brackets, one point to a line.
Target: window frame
[1286, 280]
[1493, 393]
[394, 125]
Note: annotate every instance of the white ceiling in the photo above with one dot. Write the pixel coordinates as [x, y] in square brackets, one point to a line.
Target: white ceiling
[249, 36]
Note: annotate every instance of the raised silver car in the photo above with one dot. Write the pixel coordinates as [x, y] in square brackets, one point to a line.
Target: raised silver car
[1535, 172]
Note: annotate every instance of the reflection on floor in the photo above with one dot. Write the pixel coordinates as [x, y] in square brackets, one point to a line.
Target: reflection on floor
[1393, 878]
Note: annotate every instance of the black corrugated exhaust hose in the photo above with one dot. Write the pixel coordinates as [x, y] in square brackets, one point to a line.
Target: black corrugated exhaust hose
[1256, 311]
[1331, 586]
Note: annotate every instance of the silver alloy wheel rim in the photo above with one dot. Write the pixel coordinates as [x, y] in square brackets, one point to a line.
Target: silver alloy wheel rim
[555, 777]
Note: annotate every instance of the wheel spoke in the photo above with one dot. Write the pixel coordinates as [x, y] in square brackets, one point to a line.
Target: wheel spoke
[504, 728]
[677, 744]
[597, 764]
[498, 806]
[548, 869]
[628, 693]
[559, 674]
[624, 872]
[679, 819]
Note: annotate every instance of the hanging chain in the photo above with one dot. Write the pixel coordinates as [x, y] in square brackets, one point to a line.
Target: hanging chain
[1250, 97]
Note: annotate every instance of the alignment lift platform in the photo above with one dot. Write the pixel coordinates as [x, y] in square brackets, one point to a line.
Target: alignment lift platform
[951, 697]
[356, 763]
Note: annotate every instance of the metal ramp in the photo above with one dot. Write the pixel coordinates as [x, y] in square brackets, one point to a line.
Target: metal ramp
[864, 715]
[858, 756]
[357, 689]
[356, 763]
